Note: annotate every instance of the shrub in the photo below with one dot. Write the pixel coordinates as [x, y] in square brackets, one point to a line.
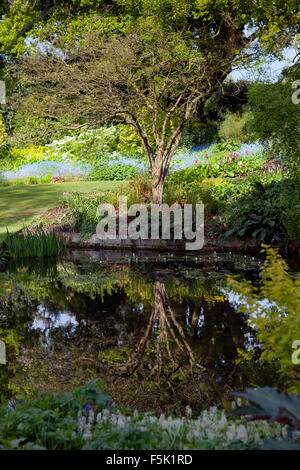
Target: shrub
[83, 211]
[106, 143]
[116, 172]
[219, 162]
[139, 189]
[255, 215]
[290, 208]
[277, 321]
[275, 117]
[48, 421]
[233, 127]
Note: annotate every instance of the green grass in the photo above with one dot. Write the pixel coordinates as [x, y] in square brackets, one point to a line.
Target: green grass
[19, 204]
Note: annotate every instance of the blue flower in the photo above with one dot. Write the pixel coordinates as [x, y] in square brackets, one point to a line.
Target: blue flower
[88, 407]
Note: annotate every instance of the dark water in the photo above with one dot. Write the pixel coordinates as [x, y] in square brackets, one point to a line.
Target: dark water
[162, 331]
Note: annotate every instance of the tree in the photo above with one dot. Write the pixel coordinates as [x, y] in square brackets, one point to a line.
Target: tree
[275, 116]
[151, 64]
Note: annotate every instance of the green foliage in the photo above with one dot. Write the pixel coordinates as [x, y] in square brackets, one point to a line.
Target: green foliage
[83, 211]
[138, 189]
[199, 132]
[274, 20]
[31, 245]
[48, 421]
[82, 420]
[107, 142]
[232, 128]
[290, 208]
[222, 161]
[172, 37]
[116, 172]
[275, 117]
[83, 207]
[265, 208]
[17, 157]
[278, 320]
[256, 217]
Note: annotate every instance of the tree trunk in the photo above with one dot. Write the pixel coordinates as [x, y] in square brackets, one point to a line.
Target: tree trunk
[157, 184]
[157, 192]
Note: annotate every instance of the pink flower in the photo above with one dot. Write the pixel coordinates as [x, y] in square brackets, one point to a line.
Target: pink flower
[206, 155]
[247, 152]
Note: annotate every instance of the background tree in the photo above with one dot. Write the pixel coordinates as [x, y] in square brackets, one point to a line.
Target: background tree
[275, 117]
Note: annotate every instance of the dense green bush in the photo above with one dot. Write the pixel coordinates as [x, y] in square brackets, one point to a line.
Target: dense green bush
[83, 211]
[233, 127]
[275, 117]
[255, 215]
[48, 421]
[290, 207]
[108, 142]
[200, 132]
[118, 172]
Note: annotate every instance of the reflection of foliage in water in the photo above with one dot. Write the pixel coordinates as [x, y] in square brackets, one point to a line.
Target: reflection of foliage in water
[157, 340]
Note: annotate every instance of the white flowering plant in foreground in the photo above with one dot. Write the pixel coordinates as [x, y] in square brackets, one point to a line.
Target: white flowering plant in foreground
[111, 429]
[86, 418]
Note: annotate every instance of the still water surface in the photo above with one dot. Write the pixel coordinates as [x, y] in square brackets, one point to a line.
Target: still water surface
[161, 330]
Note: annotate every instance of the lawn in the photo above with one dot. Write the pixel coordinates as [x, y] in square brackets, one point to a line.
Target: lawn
[19, 204]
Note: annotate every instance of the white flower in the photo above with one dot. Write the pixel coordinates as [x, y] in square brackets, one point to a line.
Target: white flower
[242, 434]
[87, 436]
[91, 417]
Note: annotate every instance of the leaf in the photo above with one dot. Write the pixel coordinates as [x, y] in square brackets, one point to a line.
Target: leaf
[277, 406]
[276, 444]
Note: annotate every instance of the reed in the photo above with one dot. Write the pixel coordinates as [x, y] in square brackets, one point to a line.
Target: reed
[33, 245]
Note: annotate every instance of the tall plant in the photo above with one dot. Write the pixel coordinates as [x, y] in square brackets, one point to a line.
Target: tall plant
[274, 311]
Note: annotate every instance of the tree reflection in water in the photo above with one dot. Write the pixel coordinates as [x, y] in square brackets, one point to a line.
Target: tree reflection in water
[159, 337]
[171, 365]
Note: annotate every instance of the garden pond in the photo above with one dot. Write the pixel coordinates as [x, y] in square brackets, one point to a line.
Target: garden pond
[161, 330]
